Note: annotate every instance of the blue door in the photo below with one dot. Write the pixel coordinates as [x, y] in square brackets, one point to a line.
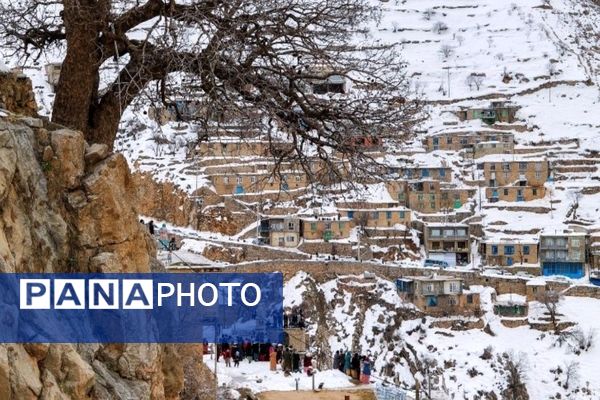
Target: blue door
[239, 189]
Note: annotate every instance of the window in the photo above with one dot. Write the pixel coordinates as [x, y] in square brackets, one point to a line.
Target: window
[461, 232]
[431, 301]
[341, 225]
[432, 197]
[350, 214]
[238, 179]
[464, 141]
[449, 232]
[432, 205]
[469, 299]
[505, 192]
[425, 173]
[375, 215]
[388, 214]
[313, 226]
[538, 166]
[509, 250]
[538, 175]
[291, 226]
[505, 166]
[525, 249]
[575, 242]
[492, 167]
[453, 287]
[328, 226]
[428, 288]
[298, 178]
[509, 261]
[290, 239]
[522, 166]
[402, 214]
[253, 179]
[452, 301]
[432, 187]
[449, 140]
[420, 197]
[436, 232]
[226, 180]
[534, 192]
[494, 250]
[506, 175]
[442, 172]
[401, 197]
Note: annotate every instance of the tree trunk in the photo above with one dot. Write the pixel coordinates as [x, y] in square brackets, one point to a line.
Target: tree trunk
[78, 83]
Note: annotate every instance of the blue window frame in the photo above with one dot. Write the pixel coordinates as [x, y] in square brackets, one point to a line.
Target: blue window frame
[509, 261]
[350, 214]
[442, 172]
[525, 249]
[424, 173]
[494, 250]
[509, 250]
[401, 214]
[388, 214]
[432, 301]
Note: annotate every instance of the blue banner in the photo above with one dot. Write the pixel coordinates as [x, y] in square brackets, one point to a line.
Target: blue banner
[141, 308]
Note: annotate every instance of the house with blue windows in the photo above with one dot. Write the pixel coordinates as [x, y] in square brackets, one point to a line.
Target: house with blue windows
[563, 254]
[508, 252]
[438, 294]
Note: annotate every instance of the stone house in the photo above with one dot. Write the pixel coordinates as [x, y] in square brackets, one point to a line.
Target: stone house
[514, 193]
[443, 173]
[331, 84]
[240, 183]
[450, 242]
[438, 295]
[470, 141]
[382, 216]
[594, 249]
[534, 288]
[429, 195]
[236, 147]
[281, 231]
[511, 305]
[325, 227]
[563, 254]
[497, 111]
[508, 252]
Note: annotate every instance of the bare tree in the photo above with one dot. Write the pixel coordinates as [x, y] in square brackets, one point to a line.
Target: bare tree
[515, 366]
[439, 27]
[460, 39]
[551, 299]
[446, 51]
[571, 373]
[259, 60]
[428, 14]
[475, 80]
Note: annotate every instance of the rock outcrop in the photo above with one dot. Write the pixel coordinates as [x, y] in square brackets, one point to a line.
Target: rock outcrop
[67, 206]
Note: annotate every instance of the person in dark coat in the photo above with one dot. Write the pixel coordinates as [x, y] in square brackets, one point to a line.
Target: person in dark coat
[287, 360]
[336, 360]
[355, 366]
[296, 362]
[307, 364]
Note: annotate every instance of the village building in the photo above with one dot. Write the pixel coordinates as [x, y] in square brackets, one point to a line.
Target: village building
[535, 288]
[497, 111]
[509, 252]
[510, 179]
[381, 216]
[438, 295]
[480, 143]
[428, 195]
[563, 254]
[594, 249]
[511, 305]
[331, 84]
[325, 227]
[235, 147]
[281, 231]
[240, 183]
[449, 242]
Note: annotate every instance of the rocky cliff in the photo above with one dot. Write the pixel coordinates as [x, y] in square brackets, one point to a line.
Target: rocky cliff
[68, 206]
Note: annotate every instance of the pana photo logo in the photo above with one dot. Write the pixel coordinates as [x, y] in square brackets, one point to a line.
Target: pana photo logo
[133, 294]
[141, 308]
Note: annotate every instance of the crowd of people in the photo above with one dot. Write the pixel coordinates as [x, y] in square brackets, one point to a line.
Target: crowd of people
[166, 243]
[354, 365]
[287, 358]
